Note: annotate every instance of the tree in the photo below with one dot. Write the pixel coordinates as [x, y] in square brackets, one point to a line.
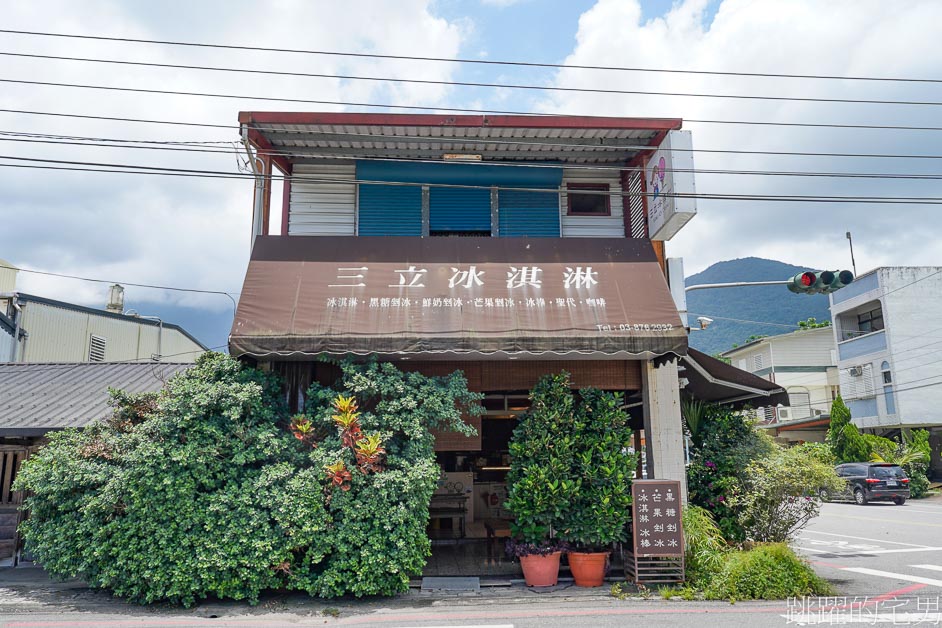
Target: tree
[844, 437]
[812, 323]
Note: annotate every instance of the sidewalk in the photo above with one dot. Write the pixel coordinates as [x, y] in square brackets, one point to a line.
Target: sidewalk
[29, 590]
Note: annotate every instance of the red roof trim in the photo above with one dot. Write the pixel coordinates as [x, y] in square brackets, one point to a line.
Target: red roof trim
[409, 119]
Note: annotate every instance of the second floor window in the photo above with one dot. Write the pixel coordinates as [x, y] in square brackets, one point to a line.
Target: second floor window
[588, 199]
[871, 321]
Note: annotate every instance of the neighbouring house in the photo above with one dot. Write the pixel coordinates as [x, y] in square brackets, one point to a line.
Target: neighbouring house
[36, 399]
[804, 363]
[47, 330]
[888, 338]
[507, 247]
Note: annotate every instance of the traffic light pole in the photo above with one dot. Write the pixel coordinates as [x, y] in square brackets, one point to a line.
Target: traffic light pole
[735, 284]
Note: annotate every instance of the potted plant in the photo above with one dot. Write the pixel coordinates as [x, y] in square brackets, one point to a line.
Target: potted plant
[598, 510]
[538, 482]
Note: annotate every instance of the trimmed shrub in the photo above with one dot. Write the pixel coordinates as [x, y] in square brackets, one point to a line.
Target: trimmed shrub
[207, 489]
[766, 572]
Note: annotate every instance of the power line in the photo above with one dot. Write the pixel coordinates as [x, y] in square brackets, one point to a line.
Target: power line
[517, 86]
[827, 125]
[191, 147]
[123, 283]
[209, 174]
[473, 61]
[319, 152]
[339, 103]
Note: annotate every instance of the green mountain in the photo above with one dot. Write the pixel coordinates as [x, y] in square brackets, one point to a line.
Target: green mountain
[769, 307]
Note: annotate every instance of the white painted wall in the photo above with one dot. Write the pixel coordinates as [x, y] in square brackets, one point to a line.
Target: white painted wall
[592, 226]
[320, 208]
[912, 298]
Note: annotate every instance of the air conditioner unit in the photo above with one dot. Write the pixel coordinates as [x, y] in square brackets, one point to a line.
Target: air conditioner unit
[784, 414]
[818, 412]
[856, 371]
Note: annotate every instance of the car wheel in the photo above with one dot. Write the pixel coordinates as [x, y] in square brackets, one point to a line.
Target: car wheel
[859, 497]
[824, 495]
[899, 501]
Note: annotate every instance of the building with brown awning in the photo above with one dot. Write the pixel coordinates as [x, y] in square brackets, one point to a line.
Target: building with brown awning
[508, 247]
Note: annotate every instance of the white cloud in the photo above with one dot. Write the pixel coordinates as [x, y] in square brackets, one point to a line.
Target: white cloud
[841, 38]
[178, 231]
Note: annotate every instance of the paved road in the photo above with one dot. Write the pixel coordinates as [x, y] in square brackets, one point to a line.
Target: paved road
[881, 547]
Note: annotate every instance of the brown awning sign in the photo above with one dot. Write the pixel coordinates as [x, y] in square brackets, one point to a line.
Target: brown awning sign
[448, 297]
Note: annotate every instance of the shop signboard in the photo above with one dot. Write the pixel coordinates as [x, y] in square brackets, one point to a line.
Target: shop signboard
[549, 297]
[669, 185]
[656, 518]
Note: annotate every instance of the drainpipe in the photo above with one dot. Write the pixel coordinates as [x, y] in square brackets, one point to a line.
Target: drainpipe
[17, 319]
[259, 200]
[160, 331]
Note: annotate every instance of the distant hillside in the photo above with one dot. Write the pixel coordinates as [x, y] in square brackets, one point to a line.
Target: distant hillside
[767, 304]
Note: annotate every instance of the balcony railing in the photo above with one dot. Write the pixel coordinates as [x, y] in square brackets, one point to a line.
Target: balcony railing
[865, 344]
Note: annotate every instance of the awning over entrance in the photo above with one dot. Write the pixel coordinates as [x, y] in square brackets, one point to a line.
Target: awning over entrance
[447, 297]
[718, 382]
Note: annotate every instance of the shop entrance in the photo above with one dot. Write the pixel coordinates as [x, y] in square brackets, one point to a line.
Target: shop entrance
[468, 522]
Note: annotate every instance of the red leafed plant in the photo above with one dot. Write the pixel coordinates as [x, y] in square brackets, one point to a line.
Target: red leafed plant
[369, 452]
[303, 429]
[339, 475]
[348, 420]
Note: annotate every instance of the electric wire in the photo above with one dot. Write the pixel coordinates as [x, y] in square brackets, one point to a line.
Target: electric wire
[282, 99]
[123, 283]
[167, 171]
[324, 153]
[495, 62]
[516, 86]
[878, 127]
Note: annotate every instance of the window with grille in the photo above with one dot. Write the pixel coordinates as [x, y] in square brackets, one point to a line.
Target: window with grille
[96, 348]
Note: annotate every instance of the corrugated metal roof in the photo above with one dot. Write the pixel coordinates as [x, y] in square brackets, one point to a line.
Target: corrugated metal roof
[557, 139]
[36, 398]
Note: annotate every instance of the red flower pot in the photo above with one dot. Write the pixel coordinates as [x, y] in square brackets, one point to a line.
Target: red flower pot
[540, 571]
[588, 569]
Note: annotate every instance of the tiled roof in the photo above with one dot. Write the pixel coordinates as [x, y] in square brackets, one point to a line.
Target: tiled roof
[36, 398]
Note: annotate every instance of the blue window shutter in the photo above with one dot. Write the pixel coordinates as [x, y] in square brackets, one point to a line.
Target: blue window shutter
[390, 210]
[457, 209]
[531, 214]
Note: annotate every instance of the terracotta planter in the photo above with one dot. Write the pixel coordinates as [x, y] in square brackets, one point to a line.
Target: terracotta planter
[588, 569]
[540, 571]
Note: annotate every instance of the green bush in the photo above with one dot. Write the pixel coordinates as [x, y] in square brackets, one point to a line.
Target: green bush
[724, 444]
[820, 452]
[570, 473]
[202, 490]
[766, 572]
[705, 548]
[780, 493]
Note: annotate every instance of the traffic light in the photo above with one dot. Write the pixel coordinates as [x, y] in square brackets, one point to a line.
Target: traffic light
[820, 281]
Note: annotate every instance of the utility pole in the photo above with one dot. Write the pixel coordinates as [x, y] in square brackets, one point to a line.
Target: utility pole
[853, 264]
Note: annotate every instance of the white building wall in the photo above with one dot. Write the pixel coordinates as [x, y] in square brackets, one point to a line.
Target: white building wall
[912, 298]
[62, 335]
[321, 208]
[592, 226]
[6, 345]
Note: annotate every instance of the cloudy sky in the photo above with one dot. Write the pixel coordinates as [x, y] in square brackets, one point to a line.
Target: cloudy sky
[193, 232]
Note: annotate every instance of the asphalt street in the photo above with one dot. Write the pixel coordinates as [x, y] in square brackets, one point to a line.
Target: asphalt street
[884, 560]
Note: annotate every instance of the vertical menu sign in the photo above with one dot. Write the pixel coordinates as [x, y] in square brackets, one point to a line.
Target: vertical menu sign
[656, 518]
